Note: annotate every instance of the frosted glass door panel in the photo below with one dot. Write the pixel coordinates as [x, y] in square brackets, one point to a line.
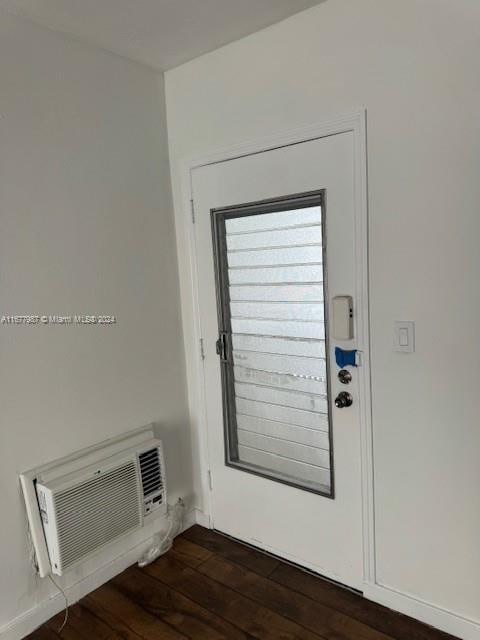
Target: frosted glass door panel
[270, 283]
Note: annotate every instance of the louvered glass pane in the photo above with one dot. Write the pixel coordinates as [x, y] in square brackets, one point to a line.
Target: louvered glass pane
[297, 366]
[280, 380]
[260, 326]
[277, 310]
[277, 293]
[275, 396]
[261, 276]
[270, 270]
[279, 219]
[272, 257]
[302, 236]
[282, 345]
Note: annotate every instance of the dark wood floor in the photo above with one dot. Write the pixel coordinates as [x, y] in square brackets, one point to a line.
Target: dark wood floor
[210, 587]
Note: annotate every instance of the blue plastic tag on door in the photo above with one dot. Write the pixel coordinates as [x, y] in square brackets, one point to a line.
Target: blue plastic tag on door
[345, 358]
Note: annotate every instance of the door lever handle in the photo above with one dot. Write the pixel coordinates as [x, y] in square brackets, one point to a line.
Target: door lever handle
[221, 346]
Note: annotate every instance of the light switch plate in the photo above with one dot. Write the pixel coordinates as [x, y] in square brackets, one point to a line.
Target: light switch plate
[404, 340]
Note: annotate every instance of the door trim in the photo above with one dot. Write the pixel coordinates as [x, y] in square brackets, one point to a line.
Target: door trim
[354, 122]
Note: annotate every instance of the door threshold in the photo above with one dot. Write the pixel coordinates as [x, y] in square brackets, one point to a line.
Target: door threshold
[315, 574]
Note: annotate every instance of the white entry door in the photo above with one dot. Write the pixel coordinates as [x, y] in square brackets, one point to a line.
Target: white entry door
[276, 258]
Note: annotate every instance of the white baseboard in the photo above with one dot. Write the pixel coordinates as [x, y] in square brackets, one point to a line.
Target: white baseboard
[201, 518]
[425, 612]
[43, 611]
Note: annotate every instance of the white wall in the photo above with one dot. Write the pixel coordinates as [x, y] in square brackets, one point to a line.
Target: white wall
[414, 65]
[86, 226]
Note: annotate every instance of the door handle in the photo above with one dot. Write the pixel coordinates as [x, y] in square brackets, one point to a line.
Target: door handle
[344, 399]
[221, 346]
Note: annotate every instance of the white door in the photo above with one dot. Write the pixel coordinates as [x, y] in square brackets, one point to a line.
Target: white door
[275, 242]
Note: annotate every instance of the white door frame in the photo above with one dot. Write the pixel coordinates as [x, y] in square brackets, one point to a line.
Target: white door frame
[354, 122]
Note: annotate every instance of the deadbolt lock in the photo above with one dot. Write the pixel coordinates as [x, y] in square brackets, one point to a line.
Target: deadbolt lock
[344, 376]
[344, 399]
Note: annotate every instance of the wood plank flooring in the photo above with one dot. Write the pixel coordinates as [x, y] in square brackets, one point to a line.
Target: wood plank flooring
[209, 587]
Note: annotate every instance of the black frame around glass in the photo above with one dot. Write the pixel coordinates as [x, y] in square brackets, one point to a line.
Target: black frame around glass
[224, 343]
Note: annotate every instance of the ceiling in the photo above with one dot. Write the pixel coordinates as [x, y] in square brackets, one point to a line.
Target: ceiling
[160, 33]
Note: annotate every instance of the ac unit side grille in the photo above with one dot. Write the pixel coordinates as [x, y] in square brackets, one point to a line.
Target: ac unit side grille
[96, 512]
[150, 471]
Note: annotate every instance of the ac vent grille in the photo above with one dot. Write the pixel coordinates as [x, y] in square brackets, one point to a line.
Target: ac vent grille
[151, 472]
[96, 512]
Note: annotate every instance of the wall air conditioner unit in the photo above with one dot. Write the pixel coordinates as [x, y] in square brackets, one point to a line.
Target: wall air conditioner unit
[80, 504]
